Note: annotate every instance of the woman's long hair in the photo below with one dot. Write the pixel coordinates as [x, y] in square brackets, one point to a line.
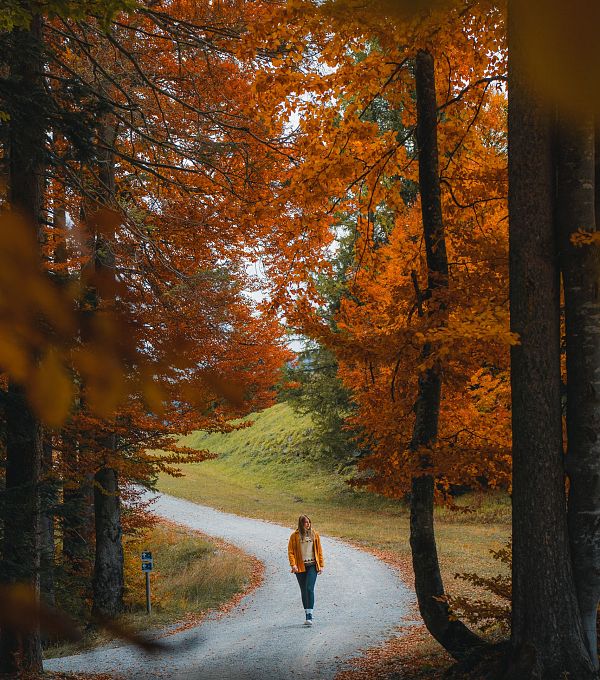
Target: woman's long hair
[301, 519]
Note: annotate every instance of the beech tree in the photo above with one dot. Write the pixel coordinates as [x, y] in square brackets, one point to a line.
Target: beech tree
[108, 581]
[450, 632]
[166, 259]
[150, 288]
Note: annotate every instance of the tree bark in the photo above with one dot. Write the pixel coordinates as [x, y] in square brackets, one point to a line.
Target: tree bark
[575, 210]
[108, 584]
[108, 569]
[78, 526]
[49, 500]
[547, 637]
[20, 652]
[77, 513]
[452, 634]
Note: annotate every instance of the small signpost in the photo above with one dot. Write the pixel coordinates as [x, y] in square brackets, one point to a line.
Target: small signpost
[147, 566]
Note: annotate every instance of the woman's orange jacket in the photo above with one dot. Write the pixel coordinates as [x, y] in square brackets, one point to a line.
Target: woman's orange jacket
[295, 552]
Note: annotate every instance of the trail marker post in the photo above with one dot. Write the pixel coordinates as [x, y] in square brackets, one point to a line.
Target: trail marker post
[147, 566]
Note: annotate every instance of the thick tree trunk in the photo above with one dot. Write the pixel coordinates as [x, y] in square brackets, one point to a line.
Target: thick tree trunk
[575, 210]
[108, 585]
[20, 652]
[547, 637]
[452, 634]
[108, 568]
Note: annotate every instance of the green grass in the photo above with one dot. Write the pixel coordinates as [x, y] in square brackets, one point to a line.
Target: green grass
[271, 462]
[191, 575]
[267, 471]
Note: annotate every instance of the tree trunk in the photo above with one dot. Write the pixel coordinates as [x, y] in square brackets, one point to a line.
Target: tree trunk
[77, 514]
[453, 635]
[108, 585]
[49, 500]
[49, 487]
[77, 510]
[20, 652]
[78, 526]
[547, 637]
[108, 568]
[575, 210]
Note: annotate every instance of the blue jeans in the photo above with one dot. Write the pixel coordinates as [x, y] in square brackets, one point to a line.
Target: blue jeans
[307, 580]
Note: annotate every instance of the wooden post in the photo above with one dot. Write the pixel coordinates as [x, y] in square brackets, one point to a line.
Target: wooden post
[148, 600]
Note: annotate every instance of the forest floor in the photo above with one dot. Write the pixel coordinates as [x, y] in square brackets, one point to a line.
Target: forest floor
[269, 471]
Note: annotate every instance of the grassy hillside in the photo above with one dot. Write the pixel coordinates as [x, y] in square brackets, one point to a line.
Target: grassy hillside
[266, 471]
[270, 463]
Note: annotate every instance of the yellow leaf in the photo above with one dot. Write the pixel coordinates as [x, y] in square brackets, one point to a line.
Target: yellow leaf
[13, 358]
[153, 395]
[51, 390]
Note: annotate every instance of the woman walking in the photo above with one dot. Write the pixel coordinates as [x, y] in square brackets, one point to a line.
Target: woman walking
[306, 560]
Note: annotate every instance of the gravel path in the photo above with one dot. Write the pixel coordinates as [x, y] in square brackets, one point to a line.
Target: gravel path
[359, 602]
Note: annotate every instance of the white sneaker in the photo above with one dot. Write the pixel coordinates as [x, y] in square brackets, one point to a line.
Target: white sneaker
[308, 621]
